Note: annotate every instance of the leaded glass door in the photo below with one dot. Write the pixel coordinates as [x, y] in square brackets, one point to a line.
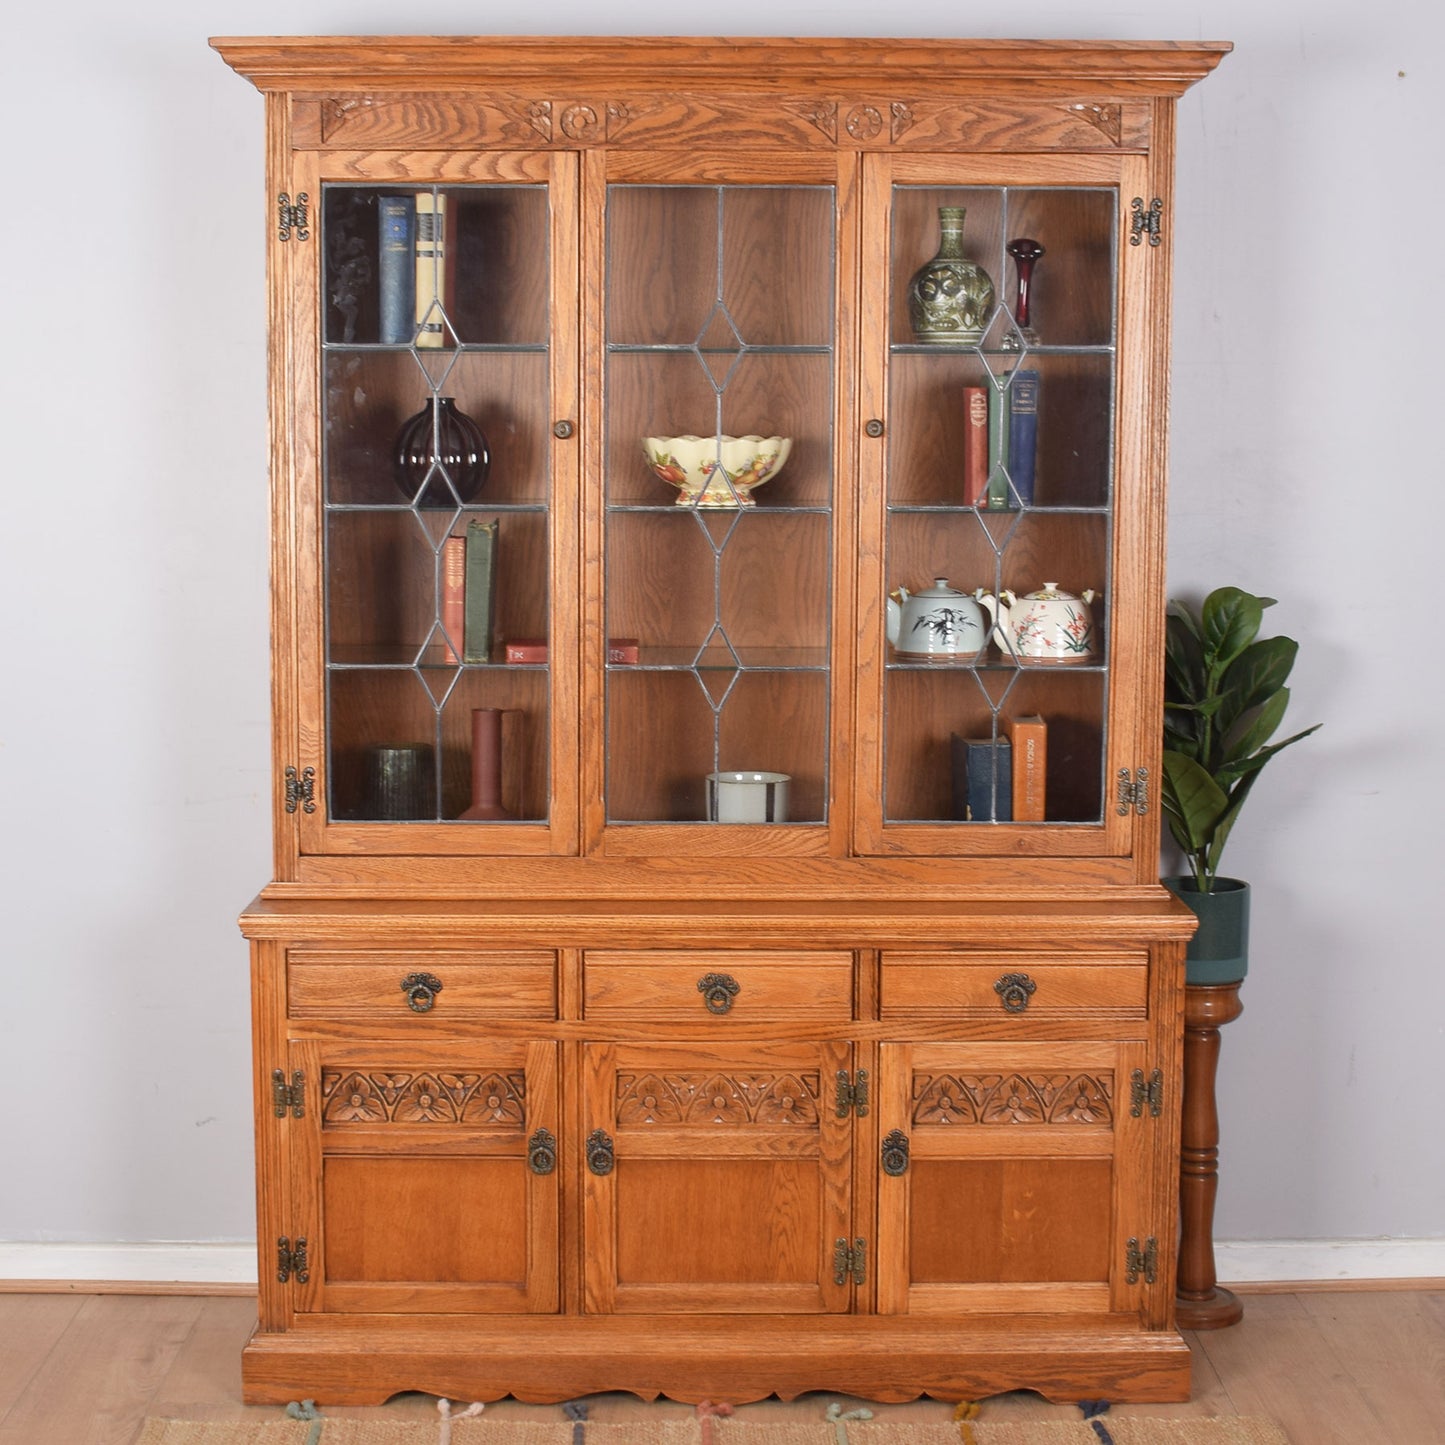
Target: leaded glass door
[447, 411]
[721, 359]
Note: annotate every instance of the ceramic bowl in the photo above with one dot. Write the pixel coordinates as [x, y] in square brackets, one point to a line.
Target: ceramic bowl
[716, 471]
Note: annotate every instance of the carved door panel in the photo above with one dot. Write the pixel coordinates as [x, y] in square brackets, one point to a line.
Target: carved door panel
[425, 1177]
[1012, 1176]
[717, 1178]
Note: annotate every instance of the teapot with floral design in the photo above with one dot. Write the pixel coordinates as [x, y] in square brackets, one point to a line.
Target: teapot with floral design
[937, 623]
[1049, 625]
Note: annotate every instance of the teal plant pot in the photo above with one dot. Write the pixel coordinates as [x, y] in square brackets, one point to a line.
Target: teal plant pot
[1219, 950]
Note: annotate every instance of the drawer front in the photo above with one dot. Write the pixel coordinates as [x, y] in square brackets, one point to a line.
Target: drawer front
[324, 983]
[1000, 985]
[753, 987]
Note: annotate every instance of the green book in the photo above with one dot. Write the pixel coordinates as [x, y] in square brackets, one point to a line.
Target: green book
[481, 591]
[996, 498]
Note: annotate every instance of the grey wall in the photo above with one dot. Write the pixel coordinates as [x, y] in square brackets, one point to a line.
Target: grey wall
[134, 768]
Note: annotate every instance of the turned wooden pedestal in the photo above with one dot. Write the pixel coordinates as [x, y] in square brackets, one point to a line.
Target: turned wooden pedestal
[1200, 1304]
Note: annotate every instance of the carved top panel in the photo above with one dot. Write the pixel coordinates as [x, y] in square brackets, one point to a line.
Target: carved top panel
[718, 1098]
[875, 120]
[1013, 1098]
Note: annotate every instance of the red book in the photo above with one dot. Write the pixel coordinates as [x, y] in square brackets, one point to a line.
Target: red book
[534, 649]
[975, 445]
[527, 649]
[454, 594]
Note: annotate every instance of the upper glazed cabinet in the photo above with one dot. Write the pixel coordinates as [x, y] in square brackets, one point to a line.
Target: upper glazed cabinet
[775, 475]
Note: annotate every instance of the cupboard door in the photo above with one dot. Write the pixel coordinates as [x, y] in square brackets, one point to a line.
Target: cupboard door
[1011, 490]
[444, 507]
[717, 1178]
[425, 1178]
[1011, 1177]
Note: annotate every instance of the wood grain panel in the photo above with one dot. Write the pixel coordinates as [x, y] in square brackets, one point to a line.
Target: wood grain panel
[333, 984]
[665, 985]
[923, 983]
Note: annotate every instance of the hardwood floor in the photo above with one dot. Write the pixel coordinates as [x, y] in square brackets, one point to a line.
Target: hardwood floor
[1365, 1367]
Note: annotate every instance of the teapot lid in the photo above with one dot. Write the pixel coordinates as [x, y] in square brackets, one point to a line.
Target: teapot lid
[1050, 592]
[940, 588]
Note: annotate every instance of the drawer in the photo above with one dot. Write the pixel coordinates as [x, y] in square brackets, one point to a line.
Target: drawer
[1036, 985]
[755, 986]
[326, 983]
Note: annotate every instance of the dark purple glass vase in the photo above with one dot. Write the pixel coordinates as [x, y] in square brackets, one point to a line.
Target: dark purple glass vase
[440, 442]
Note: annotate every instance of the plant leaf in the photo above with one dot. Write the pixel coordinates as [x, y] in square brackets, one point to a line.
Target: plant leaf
[1230, 620]
[1229, 775]
[1255, 675]
[1193, 801]
[1259, 731]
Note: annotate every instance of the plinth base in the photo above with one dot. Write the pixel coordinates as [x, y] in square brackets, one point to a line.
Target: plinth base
[1217, 1311]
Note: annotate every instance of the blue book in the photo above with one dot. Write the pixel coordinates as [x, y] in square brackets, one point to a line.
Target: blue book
[982, 780]
[397, 268]
[1023, 433]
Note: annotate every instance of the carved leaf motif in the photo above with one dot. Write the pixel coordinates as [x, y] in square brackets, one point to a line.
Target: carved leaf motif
[425, 1102]
[497, 1099]
[1108, 120]
[717, 1099]
[1013, 1098]
[427, 1098]
[350, 1099]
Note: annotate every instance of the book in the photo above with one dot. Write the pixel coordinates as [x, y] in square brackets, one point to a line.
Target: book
[982, 780]
[1023, 433]
[1029, 739]
[481, 590]
[526, 650]
[431, 269]
[454, 583]
[534, 649]
[997, 498]
[975, 445]
[396, 268]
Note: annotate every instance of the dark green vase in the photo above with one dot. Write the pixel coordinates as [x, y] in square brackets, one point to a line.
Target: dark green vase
[1219, 950]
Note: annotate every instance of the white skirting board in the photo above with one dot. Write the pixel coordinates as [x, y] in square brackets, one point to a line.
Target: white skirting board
[1254, 1261]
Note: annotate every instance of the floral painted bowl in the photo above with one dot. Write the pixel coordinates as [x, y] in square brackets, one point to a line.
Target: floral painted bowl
[716, 471]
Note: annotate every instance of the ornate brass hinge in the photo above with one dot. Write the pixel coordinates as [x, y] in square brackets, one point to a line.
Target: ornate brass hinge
[1151, 1093]
[300, 790]
[1142, 1261]
[851, 1094]
[293, 216]
[850, 1263]
[291, 1261]
[1145, 220]
[290, 1096]
[1132, 791]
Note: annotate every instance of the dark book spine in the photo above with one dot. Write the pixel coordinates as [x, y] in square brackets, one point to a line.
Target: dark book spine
[397, 268]
[481, 590]
[1023, 433]
[982, 780]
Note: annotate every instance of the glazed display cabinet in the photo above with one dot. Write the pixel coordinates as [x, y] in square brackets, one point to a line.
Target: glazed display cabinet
[715, 945]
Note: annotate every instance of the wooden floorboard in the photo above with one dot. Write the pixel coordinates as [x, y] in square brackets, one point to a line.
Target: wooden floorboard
[1346, 1367]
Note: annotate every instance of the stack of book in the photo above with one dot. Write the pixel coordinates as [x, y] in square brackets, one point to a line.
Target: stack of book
[413, 273]
[1001, 778]
[469, 592]
[1000, 445]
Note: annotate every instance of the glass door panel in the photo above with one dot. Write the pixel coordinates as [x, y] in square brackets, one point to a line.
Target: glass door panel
[436, 485]
[719, 483]
[1002, 355]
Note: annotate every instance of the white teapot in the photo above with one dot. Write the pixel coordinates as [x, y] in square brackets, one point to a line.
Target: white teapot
[1044, 626]
[938, 622]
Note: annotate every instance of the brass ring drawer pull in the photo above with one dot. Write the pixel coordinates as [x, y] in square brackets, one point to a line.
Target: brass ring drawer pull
[718, 991]
[1014, 991]
[542, 1152]
[421, 990]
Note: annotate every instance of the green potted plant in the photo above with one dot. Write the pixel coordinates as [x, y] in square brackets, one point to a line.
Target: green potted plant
[1224, 699]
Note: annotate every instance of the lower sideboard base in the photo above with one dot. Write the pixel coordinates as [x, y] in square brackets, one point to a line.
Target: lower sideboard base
[363, 1360]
